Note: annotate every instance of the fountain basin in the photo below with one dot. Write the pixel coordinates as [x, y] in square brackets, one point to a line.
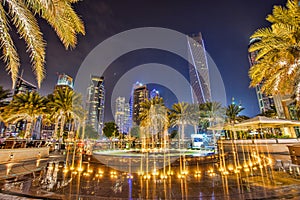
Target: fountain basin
[136, 160]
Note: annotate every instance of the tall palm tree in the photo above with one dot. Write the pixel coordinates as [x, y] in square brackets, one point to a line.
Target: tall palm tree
[21, 13]
[25, 106]
[181, 115]
[65, 105]
[232, 113]
[145, 109]
[278, 52]
[154, 117]
[213, 112]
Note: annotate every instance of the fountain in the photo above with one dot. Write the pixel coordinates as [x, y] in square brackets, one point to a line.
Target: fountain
[156, 171]
[154, 151]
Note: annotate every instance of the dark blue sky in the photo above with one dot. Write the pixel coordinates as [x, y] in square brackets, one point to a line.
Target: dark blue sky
[225, 25]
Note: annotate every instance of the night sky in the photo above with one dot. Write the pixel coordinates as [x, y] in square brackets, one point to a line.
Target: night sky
[225, 26]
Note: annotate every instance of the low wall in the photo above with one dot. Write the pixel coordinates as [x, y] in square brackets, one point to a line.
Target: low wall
[275, 146]
[22, 154]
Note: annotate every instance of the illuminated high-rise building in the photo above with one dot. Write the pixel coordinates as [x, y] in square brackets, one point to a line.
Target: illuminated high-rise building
[23, 86]
[64, 81]
[154, 93]
[95, 103]
[122, 115]
[139, 95]
[265, 102]
[198, 69]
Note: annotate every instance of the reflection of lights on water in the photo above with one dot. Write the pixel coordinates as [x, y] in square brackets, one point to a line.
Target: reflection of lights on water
[140, 173]
[155, 173]
[147, 176]
[170, 173]
[197, 174]
[38, 162]
[66, 170]
[113, 174]
[8, 168]
[163, 176]
[129, 176]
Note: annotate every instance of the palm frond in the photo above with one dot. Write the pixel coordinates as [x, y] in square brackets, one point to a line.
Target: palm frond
[28, 29]
[10, 55]
[63, 19]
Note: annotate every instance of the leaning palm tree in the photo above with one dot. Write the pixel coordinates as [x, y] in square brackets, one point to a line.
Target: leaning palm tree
[22, 14]
[65, 105]
[278, 52]
[25, 106]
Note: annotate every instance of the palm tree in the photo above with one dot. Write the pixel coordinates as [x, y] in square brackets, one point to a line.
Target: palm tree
[21, 13]
[25, 106]
[213, 112]
[154, 117]
[181, 115]
[232, 113]
[65, 105]
[4, 95]
[278, 52]
[145, 109]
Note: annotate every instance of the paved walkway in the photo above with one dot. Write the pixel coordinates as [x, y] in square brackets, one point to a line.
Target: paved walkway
[14, 169]
[12, 197]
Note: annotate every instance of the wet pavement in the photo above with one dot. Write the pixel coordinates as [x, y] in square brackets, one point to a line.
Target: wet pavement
[94, 180]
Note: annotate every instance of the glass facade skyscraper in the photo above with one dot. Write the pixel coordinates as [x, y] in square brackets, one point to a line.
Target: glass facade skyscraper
[198, 69]
[139, 95]
[265, 102]
[95, 103]
[122, 115]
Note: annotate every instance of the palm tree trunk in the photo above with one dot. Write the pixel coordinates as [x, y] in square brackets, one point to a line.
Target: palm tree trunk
[56, 128]
[62, 124]
[28, 129]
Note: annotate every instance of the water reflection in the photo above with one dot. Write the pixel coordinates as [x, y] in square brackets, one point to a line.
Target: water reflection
[245, 175]
[93, 179]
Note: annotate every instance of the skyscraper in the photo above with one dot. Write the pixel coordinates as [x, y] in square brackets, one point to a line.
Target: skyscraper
[139, 95]
[269, 102]
[95, 103]
[265, 102]
[198, 69]
[64, 81]
[122, 115]
[23, 86]
[154, 93]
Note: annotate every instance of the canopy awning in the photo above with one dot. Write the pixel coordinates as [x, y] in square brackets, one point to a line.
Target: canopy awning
[257, 122]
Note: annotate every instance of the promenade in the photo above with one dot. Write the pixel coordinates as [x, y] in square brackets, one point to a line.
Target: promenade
[13, 169]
